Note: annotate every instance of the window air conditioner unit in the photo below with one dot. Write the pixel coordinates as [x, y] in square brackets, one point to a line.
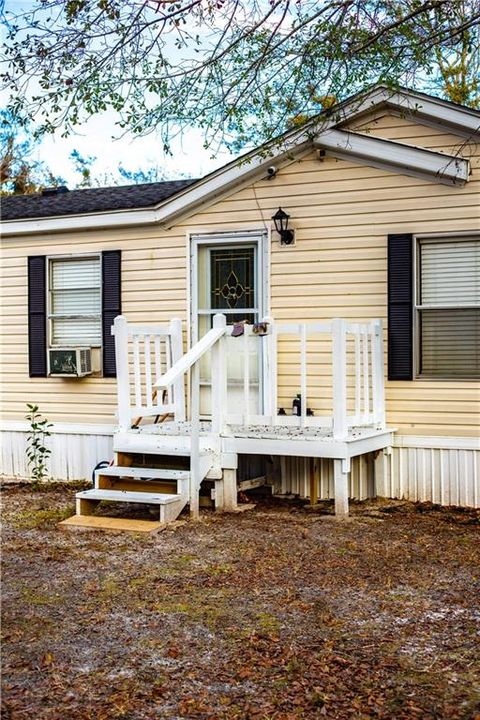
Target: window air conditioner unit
[70, 362]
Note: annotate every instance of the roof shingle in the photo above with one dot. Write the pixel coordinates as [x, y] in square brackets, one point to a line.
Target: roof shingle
[90, 200]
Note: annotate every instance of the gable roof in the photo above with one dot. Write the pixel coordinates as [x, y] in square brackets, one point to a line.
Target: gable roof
[189, 197]
[90, 200]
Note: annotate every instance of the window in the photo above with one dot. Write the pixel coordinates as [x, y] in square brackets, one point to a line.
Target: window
[448, 307]
[75, 301]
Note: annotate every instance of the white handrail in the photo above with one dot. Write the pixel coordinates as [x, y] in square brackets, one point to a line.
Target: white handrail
[213, 340]
[190, 358]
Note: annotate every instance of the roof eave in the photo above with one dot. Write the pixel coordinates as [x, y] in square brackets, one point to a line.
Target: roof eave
[423, 108]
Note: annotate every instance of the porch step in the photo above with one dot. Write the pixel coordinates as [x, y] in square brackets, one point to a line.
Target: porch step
[99, 522]
[143, 473]
[170, 505]
[174, 445]
[128, 496]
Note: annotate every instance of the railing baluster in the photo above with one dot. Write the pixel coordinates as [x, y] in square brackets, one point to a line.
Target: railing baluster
[246, 375]
[137, 371]
[158, 366]
[358, 375]
[366, 374]
[377, 374]
[271, 373]
[148, 372]
[168, 364]
[173, 352]
[303, 374]
[339, 379]
[219, 378]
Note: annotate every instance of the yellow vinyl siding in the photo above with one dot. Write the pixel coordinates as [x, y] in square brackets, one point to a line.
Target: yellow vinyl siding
[342, 213]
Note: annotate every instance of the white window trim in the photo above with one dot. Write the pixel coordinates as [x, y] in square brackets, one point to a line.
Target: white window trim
[195, 240]
[50, 315]
[417, 307]
[245, 237]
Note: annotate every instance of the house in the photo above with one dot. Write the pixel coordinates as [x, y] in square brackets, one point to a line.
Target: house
[383, 196]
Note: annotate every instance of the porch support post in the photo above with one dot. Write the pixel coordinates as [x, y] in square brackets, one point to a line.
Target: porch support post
[341, 475]
[313, 481]
[195, 444]
[382, 472]
[226, 491]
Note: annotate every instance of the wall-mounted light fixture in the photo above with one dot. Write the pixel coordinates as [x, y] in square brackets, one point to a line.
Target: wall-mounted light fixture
[281, 226]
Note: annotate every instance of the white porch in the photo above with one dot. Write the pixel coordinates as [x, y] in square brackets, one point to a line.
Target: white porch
[336, 367]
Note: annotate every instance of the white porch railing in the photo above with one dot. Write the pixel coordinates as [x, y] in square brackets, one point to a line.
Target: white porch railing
[151, 377]
[143, 354]
[349, 356]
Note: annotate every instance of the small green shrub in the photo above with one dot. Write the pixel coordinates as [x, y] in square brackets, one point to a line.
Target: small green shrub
[37, 452]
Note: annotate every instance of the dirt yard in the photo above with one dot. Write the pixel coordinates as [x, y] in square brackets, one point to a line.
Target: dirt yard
[276, 613]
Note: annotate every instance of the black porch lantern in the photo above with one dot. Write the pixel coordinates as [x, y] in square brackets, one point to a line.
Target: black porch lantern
[281, 226]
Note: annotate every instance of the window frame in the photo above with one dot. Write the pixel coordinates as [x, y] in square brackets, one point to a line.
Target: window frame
[417, 306]
[50, 259]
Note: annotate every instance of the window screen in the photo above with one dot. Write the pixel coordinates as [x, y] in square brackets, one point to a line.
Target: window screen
[448, 307]
[75, 301]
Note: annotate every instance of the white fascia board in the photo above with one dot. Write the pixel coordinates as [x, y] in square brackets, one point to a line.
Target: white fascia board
[442, 168]
[229, 177]
[183, 203]
[67, 223]
[461, 121]
[418, 107]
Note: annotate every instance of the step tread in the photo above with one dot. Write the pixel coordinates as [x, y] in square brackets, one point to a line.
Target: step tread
[176, 446]
[141, 472]
[97, 522]
[128, 496]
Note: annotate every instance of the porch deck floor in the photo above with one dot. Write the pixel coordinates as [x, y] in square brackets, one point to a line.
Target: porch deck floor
[258, 432]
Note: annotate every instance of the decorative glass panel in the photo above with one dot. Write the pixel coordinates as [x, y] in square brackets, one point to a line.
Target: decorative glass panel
[232, 280]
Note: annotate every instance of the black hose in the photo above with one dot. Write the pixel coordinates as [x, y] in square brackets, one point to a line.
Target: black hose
[101, 464]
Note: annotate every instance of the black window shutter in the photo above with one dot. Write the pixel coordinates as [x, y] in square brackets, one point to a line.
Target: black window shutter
[37, 316]
[111, 306]
[400, 307]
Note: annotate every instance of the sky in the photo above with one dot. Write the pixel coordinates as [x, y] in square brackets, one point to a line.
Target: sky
[94, 138]
[100, 138]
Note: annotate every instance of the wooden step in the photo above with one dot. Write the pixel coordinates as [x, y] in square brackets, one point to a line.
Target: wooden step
[168, 487]
[143, 473]
[128, 496]
[170, 505]
[167, 445]
[97, 522]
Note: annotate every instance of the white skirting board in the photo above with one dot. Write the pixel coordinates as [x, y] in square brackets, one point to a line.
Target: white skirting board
[75, 450]
[443, 475]
[296, 474]
[443, 470]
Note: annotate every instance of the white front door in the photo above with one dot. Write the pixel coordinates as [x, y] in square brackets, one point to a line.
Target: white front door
[227, 277]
